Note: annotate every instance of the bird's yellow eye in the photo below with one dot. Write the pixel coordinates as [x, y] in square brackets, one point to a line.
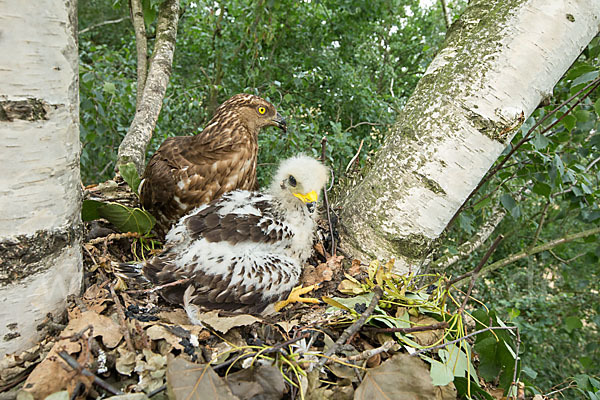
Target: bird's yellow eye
[262, 110]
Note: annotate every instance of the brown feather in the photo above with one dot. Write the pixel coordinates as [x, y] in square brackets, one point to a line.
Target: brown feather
[188, 171]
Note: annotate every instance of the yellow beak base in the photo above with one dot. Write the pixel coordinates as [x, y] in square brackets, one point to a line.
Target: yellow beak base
[309, 197]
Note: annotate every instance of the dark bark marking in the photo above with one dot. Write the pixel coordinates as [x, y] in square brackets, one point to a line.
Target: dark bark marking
[27, 110]
[23, 255]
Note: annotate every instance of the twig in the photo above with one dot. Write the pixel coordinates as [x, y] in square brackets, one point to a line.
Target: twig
[122, 320]
[514, 381]
[432, 327]
[355, 156]
[114, 236]
[159, 287]
[365, 355]
[362, 123]
[352, 329]
[476, 271]
[268, 350]
[537, 249]
[326, 200]
[157, 391]
[440, 346]
[84, 371]
[99, 24]
[464, 276]
[540, 224]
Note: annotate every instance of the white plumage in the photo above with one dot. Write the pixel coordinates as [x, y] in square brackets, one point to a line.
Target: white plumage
[244, 251]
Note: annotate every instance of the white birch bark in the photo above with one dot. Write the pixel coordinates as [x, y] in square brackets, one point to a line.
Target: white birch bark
[499, 61]
[40, 193]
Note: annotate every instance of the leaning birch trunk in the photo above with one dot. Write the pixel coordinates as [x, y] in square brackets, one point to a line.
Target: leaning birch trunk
[40, 190]
[499, 61]
[133, 146]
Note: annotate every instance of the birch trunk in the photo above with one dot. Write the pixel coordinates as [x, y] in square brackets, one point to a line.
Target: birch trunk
[40, 190]
[499, 61]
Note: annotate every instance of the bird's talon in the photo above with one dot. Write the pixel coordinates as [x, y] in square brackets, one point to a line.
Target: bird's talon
[294, 297]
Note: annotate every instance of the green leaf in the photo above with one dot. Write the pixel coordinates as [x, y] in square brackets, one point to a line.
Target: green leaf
[511, 205]
[542, 189]
[110, 87]
[540, 141]
[585, 78]
[127, 219]
[466, 390]
[441, 373]
[89, 210]
[130, 175]
[572, 323]
[569, 122]
[597, 106]
[530, 372]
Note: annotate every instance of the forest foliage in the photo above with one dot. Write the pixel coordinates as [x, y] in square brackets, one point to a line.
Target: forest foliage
[342, 69]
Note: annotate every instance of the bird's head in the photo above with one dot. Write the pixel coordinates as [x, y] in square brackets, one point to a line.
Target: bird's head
[299, 179]
[253, 111]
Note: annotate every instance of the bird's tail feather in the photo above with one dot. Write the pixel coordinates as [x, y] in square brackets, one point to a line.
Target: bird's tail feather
[131, 271]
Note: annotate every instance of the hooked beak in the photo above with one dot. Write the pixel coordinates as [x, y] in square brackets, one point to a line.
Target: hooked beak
[279, 121]
[309, 199]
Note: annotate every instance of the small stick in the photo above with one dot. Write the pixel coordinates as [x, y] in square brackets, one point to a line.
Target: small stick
[159, 287]
[86, 372]
[433, 327]
[122, 320]
[325, 200]
[477, 269]
[440, 346]
[114, 236]
[355, 156]
[270, 350]
[365, 355]
[514, 381]
[352, 329]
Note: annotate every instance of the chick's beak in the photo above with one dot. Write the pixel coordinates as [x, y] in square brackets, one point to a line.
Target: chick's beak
[309, 198]
[279, 121]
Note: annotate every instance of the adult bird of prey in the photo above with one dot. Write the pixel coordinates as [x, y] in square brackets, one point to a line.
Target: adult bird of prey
[244, 251]
[187, 171]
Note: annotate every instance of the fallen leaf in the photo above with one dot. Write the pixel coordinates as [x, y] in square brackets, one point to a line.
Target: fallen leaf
[157, 332]
[103, 326]
[187, 380]
[402, 377]
[426, 338]
[264, 382]
[95, 298]
[287, 325]
[355, 268]
[224, 324]
[125, 362]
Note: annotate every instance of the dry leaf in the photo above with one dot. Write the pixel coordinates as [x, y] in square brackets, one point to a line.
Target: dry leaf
[187, 380]
[426, 338]
[287, 325]
[103, 326]
[264, 382]
[224, 324]
[355, 268]
[95, 298]
[402, 377]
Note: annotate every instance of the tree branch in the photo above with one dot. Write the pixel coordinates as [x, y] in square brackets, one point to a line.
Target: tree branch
[538, 249]
[446, 12]
[133, 146]
[141, 44]
[99, 24]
